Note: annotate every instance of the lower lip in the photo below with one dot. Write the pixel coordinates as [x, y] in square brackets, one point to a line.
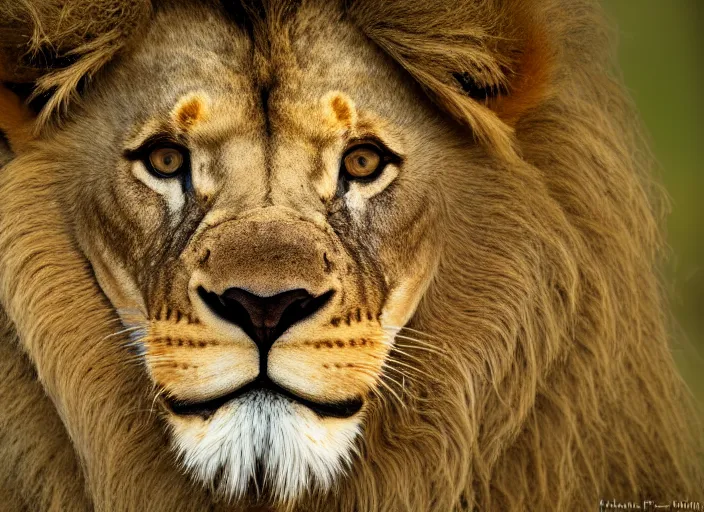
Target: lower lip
[344, 409]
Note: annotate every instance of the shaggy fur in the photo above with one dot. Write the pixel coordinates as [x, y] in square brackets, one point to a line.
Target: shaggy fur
[541, 377]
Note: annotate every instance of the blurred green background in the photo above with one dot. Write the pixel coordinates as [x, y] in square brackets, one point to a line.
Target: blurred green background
[661, 52]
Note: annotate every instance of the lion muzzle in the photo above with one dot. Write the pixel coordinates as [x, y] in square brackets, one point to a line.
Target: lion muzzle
[266, 286]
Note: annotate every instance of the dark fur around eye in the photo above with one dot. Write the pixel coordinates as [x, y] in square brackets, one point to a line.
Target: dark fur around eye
[143, 152]
[386, 157]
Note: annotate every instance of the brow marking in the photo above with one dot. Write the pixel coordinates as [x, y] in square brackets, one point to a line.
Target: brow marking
[190, 111]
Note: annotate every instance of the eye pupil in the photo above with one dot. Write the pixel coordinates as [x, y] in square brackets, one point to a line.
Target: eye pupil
[362, 162]
[166, 161]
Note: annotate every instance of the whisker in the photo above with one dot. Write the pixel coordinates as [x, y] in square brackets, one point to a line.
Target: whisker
[382, 398]
[140, 412]
[424, 343]
[380, 381]
[395, 395]
[421, 345]
[395, 327]
[424, 349]
[156, 397]
[123, 331]
[400, 372]
[111, 321]
[384, 367]
[386, 386]
[410, 367]
[375, 391]
[395, 348]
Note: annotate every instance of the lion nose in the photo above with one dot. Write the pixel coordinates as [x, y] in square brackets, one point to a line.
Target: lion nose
[264, 319]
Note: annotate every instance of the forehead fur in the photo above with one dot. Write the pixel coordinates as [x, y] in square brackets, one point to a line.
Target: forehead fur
[485, 65]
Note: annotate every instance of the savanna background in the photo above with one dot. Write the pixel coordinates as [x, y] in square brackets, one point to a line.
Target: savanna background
[661, 53]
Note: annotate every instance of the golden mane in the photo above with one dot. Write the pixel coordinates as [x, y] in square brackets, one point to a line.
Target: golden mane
[569, 394]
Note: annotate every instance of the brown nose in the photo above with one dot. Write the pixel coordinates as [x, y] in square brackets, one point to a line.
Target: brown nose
[264, 319]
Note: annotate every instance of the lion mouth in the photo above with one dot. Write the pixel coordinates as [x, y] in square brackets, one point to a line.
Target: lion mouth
[207, 408]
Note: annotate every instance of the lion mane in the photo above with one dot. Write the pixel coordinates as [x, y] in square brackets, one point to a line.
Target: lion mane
[568, 393]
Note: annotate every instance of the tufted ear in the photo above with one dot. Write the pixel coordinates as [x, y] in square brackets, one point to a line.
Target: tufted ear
[485, 62]
[50, 48]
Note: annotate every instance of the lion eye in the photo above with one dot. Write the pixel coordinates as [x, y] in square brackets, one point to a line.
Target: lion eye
[166, 162]
[363, 162]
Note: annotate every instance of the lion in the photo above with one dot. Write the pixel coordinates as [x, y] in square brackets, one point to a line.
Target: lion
[305, 255]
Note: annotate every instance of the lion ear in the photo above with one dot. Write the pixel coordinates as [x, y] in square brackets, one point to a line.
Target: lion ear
[526, 68]
[51, 48]
[486, 63]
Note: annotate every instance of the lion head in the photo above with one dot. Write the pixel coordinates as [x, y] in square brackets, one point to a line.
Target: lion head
[332, 256]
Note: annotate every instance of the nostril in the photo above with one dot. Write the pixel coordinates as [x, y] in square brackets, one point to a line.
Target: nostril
[264, 319]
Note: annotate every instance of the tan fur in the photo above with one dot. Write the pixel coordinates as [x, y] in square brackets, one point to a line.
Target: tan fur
[342, 110]
[190, 112]
[16, 121]
[540, 376]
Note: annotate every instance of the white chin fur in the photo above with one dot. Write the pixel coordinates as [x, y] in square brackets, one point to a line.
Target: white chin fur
[292, 447]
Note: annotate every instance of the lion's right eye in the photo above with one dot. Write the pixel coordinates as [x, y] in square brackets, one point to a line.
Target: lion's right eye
[362, 162]
[167, 161]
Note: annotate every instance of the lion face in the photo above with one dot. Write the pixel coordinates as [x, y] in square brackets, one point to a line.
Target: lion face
[259, 216]
[260, 189]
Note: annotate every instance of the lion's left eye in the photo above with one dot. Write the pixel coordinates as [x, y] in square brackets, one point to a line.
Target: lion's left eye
[363, 162]
[167, 161]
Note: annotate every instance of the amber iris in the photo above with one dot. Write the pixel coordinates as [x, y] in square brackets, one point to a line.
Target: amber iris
[166, 161]
[362, 162]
